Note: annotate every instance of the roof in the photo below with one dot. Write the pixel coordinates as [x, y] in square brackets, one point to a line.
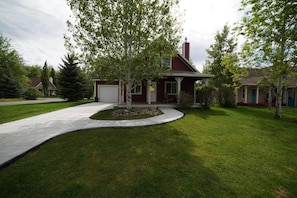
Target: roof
[183, 59]
[177, 73]
[256, 75]
[36, 82]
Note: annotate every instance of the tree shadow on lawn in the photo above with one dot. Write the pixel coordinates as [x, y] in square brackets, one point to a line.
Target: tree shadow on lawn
[203, 113]
[134, 162]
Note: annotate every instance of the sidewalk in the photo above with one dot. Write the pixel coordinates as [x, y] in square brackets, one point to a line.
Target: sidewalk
[18, 137]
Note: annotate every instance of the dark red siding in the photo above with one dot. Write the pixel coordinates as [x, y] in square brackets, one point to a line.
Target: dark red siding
[178, 64]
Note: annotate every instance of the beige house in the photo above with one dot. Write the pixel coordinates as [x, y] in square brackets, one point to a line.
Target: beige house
[252, 92]
[36, 82]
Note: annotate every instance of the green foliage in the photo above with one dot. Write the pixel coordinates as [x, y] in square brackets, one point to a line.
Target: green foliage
[71, 82]
[223, 63]
[10, 87]
[226, 96]
[33, 71]
[222, 49]
[45, 79]
[186, 100]
[12, 76]
[271, 39]
[32, 93]
[126, 40]
[205, 96]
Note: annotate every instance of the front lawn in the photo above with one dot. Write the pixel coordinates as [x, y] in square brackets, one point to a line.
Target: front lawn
[16, 112]
[239, 152]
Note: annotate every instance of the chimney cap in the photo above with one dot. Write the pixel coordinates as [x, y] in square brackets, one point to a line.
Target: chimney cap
[186, 39]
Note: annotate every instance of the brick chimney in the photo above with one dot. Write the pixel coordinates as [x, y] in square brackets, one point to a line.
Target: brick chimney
[186, 49]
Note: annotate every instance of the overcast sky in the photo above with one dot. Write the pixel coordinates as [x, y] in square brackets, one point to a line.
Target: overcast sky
[36, 27]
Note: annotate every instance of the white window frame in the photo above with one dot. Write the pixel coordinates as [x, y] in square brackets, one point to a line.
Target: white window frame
[170, 82]
[134, 90]
[243, 93]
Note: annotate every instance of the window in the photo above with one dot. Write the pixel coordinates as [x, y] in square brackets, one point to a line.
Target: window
[243, 92]
[136, 90]
[167, 61]
[171, 88]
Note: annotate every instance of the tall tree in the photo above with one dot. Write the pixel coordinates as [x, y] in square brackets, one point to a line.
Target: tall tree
[125, 39]
[222, 62]
[270, 28]
[12, 75]
[71, 84]
[45, 79]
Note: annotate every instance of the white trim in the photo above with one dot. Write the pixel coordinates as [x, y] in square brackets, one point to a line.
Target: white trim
[170, 82]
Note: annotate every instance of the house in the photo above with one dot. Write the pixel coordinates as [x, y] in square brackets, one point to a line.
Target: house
[36, 82]
[252, 92]
[168, 89]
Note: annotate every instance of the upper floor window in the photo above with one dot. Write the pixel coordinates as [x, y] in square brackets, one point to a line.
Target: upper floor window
[167, 62]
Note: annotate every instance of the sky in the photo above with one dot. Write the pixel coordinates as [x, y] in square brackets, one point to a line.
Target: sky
[35, 28]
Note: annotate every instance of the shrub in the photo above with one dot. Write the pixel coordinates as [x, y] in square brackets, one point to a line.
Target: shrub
[186, 100]
[226, 96]
[32, 93]
[205, 96]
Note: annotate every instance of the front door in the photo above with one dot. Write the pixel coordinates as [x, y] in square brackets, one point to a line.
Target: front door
[254, 95]
[291, 98]
[153, 91]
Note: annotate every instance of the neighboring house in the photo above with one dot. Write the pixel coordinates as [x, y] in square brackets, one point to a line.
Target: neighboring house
[36, 82]
[168, 89]
[252, 92]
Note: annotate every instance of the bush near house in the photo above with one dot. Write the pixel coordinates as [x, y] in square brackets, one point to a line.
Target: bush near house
[205, 96]
[32, 93]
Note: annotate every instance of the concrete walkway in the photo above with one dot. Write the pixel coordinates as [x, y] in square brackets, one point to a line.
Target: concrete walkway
[18, 137]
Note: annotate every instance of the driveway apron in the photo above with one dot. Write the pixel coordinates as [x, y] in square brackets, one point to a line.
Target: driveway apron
[18, 137]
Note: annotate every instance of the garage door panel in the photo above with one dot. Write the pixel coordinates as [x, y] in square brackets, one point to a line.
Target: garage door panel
[108, 93]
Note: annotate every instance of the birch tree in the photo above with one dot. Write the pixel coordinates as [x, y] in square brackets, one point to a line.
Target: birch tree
[270, 28]
[125, 39]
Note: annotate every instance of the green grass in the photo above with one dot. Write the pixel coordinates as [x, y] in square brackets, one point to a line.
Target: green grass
[239, 152]
[16, 112]
[11, 99]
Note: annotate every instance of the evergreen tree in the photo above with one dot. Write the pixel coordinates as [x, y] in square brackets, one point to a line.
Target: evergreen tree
[12, 75]
[222, 62]
[45, 79]
[71, 83]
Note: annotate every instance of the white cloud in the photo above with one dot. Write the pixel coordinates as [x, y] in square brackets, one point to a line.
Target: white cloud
[36, 27]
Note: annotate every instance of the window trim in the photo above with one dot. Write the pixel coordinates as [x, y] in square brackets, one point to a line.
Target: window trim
[135, 88]
[170, 82]
[243, 93]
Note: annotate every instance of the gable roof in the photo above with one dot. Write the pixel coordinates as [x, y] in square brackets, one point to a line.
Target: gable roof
[187, 63]
[36, 82]
[256, 75]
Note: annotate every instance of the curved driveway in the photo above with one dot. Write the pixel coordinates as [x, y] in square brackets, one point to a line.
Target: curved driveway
[18, 137]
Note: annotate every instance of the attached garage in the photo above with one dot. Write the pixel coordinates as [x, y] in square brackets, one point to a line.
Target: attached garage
[108, 93]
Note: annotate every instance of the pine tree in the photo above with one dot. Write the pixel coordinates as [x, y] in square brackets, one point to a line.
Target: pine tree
[70, 81]
[45, 79]
[222, 62]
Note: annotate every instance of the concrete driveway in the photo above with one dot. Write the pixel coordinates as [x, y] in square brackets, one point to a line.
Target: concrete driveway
[18, 137]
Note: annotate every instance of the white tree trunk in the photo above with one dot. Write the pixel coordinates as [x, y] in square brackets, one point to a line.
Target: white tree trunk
[279, 97]
[270, 98]
[128, 92]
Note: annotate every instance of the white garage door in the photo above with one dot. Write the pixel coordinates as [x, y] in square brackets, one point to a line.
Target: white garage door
[108, 93]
